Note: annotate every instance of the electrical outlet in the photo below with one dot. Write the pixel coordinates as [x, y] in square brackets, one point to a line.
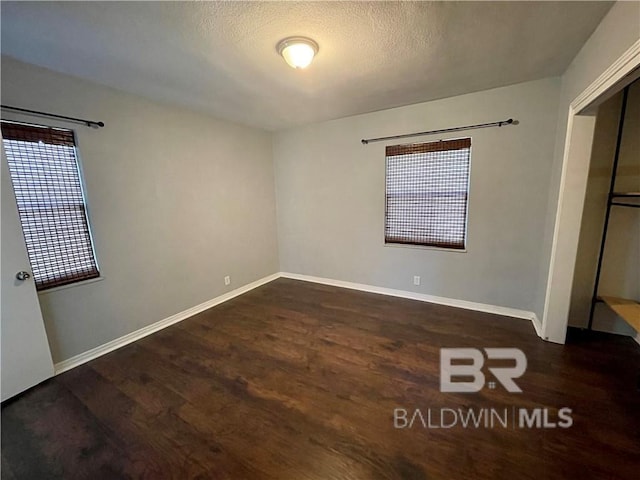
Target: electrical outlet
[227, 280]
[416, 280]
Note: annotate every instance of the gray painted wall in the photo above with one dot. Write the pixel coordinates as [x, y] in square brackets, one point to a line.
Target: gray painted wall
[177, 201]
[330, 198]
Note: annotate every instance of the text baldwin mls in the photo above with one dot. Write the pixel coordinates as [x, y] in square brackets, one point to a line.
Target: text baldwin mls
[508, 417]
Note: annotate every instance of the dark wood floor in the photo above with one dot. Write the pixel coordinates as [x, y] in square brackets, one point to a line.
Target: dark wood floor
[299, 381]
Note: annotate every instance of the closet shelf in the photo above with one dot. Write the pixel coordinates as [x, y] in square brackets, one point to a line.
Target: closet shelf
[633, 196]
[628, 310]
[625, 194]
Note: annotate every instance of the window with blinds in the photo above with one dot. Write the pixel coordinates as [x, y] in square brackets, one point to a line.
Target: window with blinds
[46, 180]
[427, 187]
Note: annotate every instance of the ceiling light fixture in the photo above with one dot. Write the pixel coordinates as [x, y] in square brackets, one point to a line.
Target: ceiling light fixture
[298, 52]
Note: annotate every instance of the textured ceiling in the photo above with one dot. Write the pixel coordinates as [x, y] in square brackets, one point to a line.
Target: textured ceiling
[220, 58]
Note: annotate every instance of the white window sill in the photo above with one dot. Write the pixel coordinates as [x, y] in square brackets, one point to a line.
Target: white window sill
[425, 247]
[71, 285]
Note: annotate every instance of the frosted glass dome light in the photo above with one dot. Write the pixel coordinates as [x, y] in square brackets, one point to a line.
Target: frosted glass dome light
[298, 52]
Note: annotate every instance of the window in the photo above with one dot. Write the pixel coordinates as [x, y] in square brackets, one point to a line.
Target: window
[46, 180]
[427, 186]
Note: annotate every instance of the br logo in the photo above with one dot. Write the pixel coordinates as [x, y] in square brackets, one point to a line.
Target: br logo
[474, 359]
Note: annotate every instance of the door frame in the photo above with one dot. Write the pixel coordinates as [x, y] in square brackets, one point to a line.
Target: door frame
[573, 187]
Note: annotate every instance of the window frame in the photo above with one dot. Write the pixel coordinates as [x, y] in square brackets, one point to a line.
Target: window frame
[85, 200]
[417, 246]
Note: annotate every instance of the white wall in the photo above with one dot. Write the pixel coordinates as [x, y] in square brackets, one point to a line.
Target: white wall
[177, 201]
[617, 32]
[620, 274]
[330, 197]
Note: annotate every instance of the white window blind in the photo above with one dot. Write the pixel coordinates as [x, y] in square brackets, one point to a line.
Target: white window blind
[48, 188]
[427, 187]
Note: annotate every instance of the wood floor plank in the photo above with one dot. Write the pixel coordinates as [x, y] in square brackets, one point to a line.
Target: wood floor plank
[300, 380]
[264, 421]
[48, 433]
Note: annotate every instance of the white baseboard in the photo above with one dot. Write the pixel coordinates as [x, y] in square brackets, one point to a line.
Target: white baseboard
[450, 302]
[77, 360]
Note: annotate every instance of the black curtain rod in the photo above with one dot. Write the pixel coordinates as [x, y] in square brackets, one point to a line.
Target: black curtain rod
[88, 123]
[510, 121]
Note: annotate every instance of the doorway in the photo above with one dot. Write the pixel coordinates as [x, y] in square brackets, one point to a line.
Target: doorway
[573, 185]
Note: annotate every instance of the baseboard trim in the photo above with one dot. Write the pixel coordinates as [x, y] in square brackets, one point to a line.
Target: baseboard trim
[96, 352]
[450, 302]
